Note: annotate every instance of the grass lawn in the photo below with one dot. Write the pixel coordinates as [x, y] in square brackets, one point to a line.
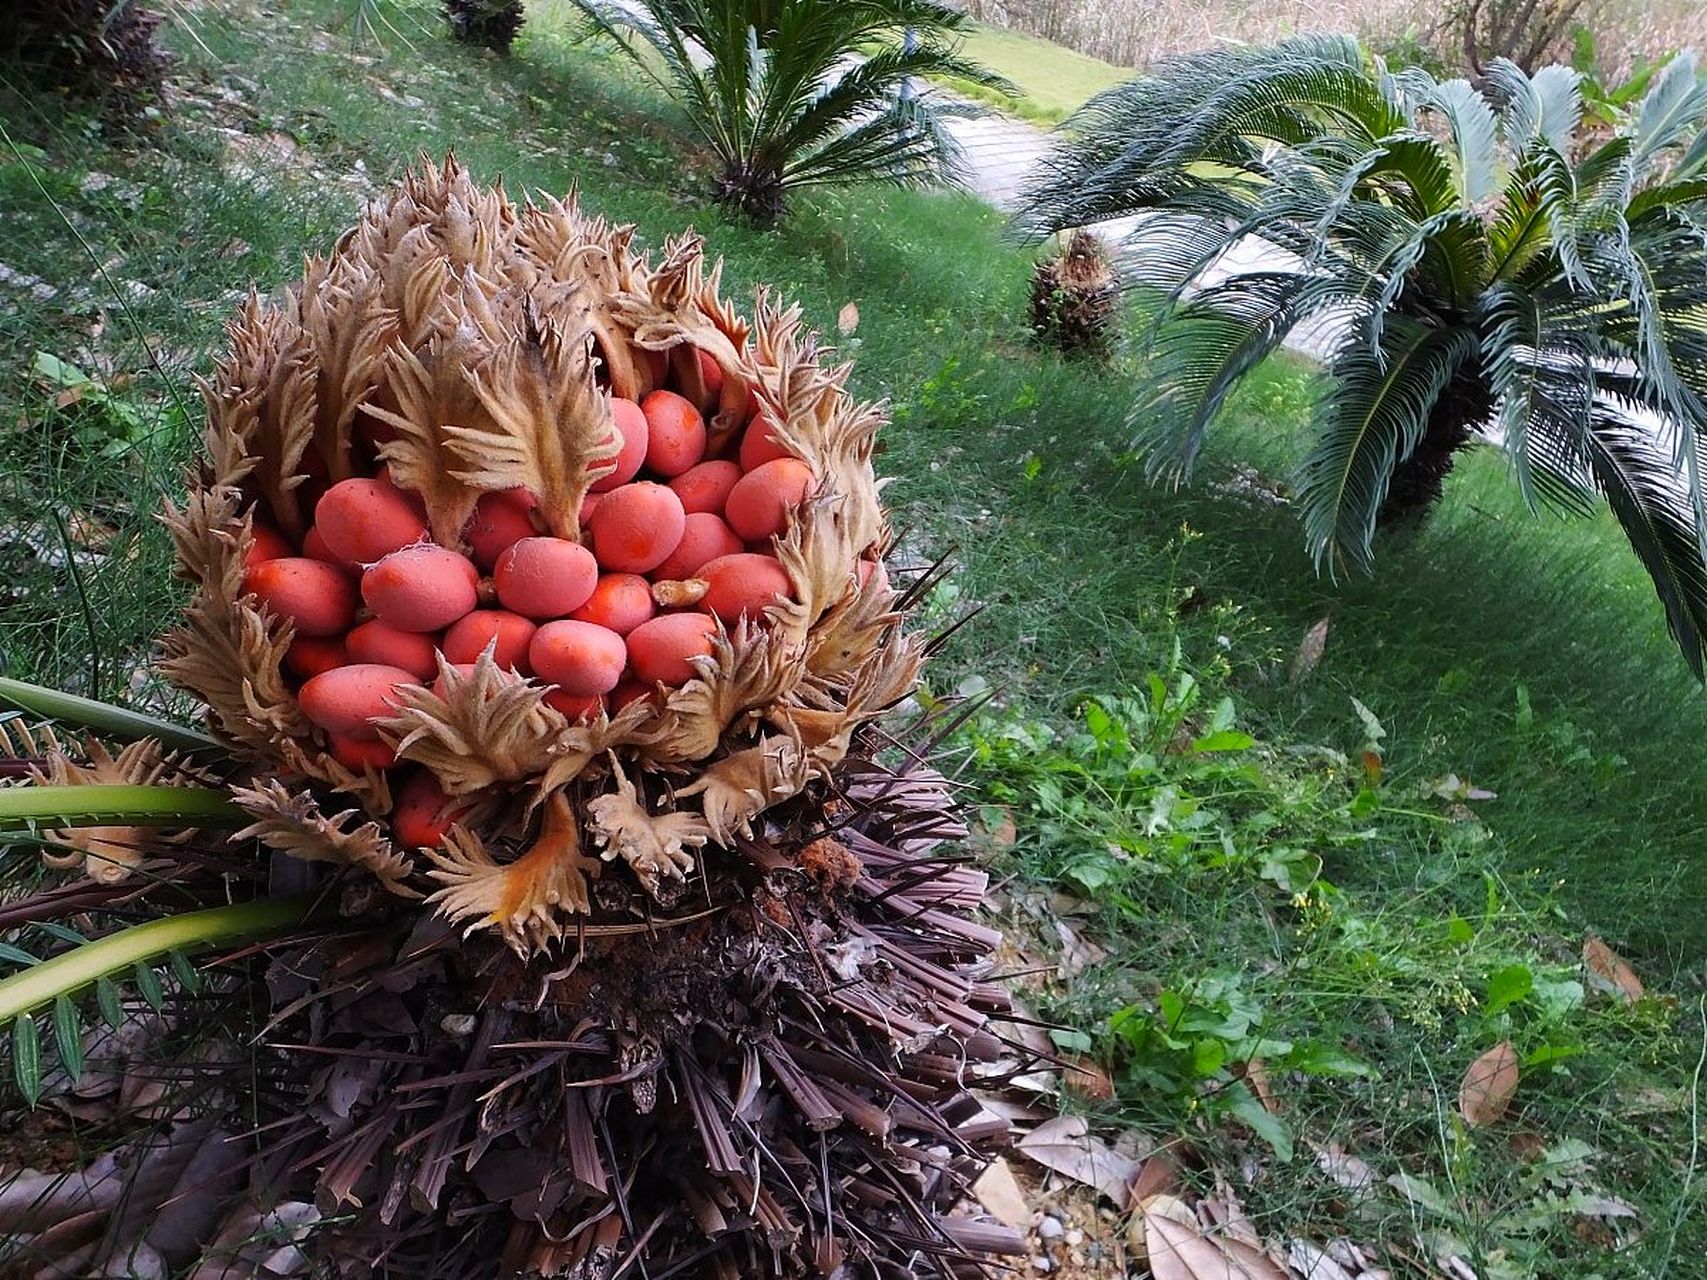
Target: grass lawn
[1053, 81]
[1219, 853]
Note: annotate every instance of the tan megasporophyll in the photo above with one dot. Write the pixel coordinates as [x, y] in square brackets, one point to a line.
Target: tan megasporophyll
[473, 361]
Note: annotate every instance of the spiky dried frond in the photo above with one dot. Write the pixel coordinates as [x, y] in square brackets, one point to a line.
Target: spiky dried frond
[743, 674]
[547, 428]
[527, 899]
[654, 845]
[104, 854]
[291, 822]
[434, 390]
[736, 789]
[482, 727]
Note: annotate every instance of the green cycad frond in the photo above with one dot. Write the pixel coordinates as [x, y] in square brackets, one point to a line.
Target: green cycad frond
[1491, 278]
[1375, 410]
[790, 93]
[1640, 482]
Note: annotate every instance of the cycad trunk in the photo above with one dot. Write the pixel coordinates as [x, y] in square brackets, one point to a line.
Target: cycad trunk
[100, 51]
[491, 24]
[754, 191]
[1075, 299]
[1418, 481]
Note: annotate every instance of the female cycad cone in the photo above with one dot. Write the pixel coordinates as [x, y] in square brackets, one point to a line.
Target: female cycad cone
[406, 514]
[543, 599]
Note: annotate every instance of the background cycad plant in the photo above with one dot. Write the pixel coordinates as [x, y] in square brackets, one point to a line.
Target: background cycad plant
[490, 24]
[794, 93]
[1487, 273]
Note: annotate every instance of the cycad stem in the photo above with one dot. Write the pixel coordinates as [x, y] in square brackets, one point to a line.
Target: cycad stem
[104, 805]
[192, 931]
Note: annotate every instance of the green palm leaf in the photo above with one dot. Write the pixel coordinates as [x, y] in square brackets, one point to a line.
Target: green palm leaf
[792, 93]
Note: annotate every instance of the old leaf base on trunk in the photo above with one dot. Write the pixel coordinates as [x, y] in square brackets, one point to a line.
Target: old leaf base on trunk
[772, 1080]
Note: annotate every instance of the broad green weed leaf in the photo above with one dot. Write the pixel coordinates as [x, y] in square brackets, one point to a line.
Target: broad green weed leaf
[1507, 987]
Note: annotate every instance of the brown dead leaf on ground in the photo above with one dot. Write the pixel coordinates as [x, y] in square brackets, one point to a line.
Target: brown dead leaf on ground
[1085, 1078]
[1066, 1146]
[1610, 973]
[1488, 1085]
[847, 319]
[1166, 1232]
[1310, 651]
[999, 1191]
[1255, 1075]
[1159, 1175]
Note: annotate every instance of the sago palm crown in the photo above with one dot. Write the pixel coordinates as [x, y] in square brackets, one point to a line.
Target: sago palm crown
[1488, 273]
[789, 94]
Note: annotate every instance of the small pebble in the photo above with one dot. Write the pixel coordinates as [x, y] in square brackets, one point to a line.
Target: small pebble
[1042, 1264]
[1075, 1237]
[1050, 1228]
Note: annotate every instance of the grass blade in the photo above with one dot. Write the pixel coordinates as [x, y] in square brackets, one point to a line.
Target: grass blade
[102, 717]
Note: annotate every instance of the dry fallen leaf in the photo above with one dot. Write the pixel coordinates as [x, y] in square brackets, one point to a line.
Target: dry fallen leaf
[1345, 1169]
[1158, 1175]
[847, 320]
[1226, 1215]
[1065, 1145]
[1166, 1234]
[1256, 1076]
[999, 1191]
[1310, 651]
[1610, 972]
[1488, 1085]
[1085, 1078]
[1003, 833]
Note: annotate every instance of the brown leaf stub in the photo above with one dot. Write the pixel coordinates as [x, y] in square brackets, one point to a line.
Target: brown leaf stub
[1488, 1085]
[526, 899]
[291, 822]
[487, 727]
[1610, 973]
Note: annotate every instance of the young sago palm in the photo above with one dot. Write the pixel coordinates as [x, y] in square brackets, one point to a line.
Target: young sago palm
[538, 610]
[790, 94]
[1486, 273]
